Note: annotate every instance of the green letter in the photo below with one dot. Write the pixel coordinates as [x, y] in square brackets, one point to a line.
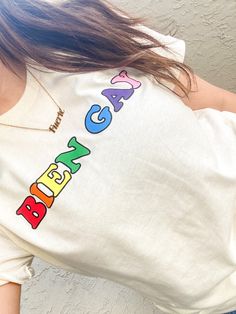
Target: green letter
[68, 158]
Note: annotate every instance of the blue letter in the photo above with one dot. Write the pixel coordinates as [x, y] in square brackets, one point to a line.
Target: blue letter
[105, 118]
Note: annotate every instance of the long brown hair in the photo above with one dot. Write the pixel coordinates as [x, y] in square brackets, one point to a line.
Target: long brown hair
[81, 36]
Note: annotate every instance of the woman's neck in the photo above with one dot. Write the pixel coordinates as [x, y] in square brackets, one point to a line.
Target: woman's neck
[12, 87]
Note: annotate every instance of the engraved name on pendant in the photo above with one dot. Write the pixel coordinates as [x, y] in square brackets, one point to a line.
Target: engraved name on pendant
[55, 126]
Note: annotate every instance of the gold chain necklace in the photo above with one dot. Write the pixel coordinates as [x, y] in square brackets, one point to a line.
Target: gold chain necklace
[53, 127]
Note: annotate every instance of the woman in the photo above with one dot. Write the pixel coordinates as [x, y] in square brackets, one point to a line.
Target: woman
[106, 170]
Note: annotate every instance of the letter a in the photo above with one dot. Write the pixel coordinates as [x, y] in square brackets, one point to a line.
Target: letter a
[115, 95]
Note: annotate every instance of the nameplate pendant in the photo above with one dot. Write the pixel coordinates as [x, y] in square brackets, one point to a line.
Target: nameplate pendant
[53, 127]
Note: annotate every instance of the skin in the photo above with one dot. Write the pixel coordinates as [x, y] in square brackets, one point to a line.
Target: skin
[206, 95]
[11, 87]
[10, 298]
[203, 95]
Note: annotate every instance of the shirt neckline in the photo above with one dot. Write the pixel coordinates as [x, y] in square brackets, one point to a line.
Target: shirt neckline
[25, 103]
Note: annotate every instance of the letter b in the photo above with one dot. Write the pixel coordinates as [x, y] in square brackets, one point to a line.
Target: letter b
[32, 211]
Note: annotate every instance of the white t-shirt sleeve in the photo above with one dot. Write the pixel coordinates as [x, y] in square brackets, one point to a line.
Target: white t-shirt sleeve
[15, 263]
[176, 48]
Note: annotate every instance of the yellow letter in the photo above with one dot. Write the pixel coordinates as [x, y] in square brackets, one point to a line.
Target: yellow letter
[52, 178]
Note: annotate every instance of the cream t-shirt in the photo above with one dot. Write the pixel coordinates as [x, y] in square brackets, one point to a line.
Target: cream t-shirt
[134, 187]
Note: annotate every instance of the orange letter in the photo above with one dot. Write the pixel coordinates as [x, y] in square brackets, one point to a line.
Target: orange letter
[48, 200]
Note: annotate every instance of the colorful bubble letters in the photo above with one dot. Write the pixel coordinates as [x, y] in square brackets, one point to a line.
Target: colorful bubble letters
[52, 182]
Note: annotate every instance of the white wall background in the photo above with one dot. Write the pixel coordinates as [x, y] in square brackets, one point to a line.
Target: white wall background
[209, 29]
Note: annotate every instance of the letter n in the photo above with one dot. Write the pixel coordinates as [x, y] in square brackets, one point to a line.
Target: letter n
[68, 158]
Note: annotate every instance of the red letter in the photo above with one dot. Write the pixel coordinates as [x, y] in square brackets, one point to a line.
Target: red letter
[32, 211]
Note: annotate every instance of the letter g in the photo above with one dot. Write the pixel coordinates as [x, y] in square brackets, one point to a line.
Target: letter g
[105, 118]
